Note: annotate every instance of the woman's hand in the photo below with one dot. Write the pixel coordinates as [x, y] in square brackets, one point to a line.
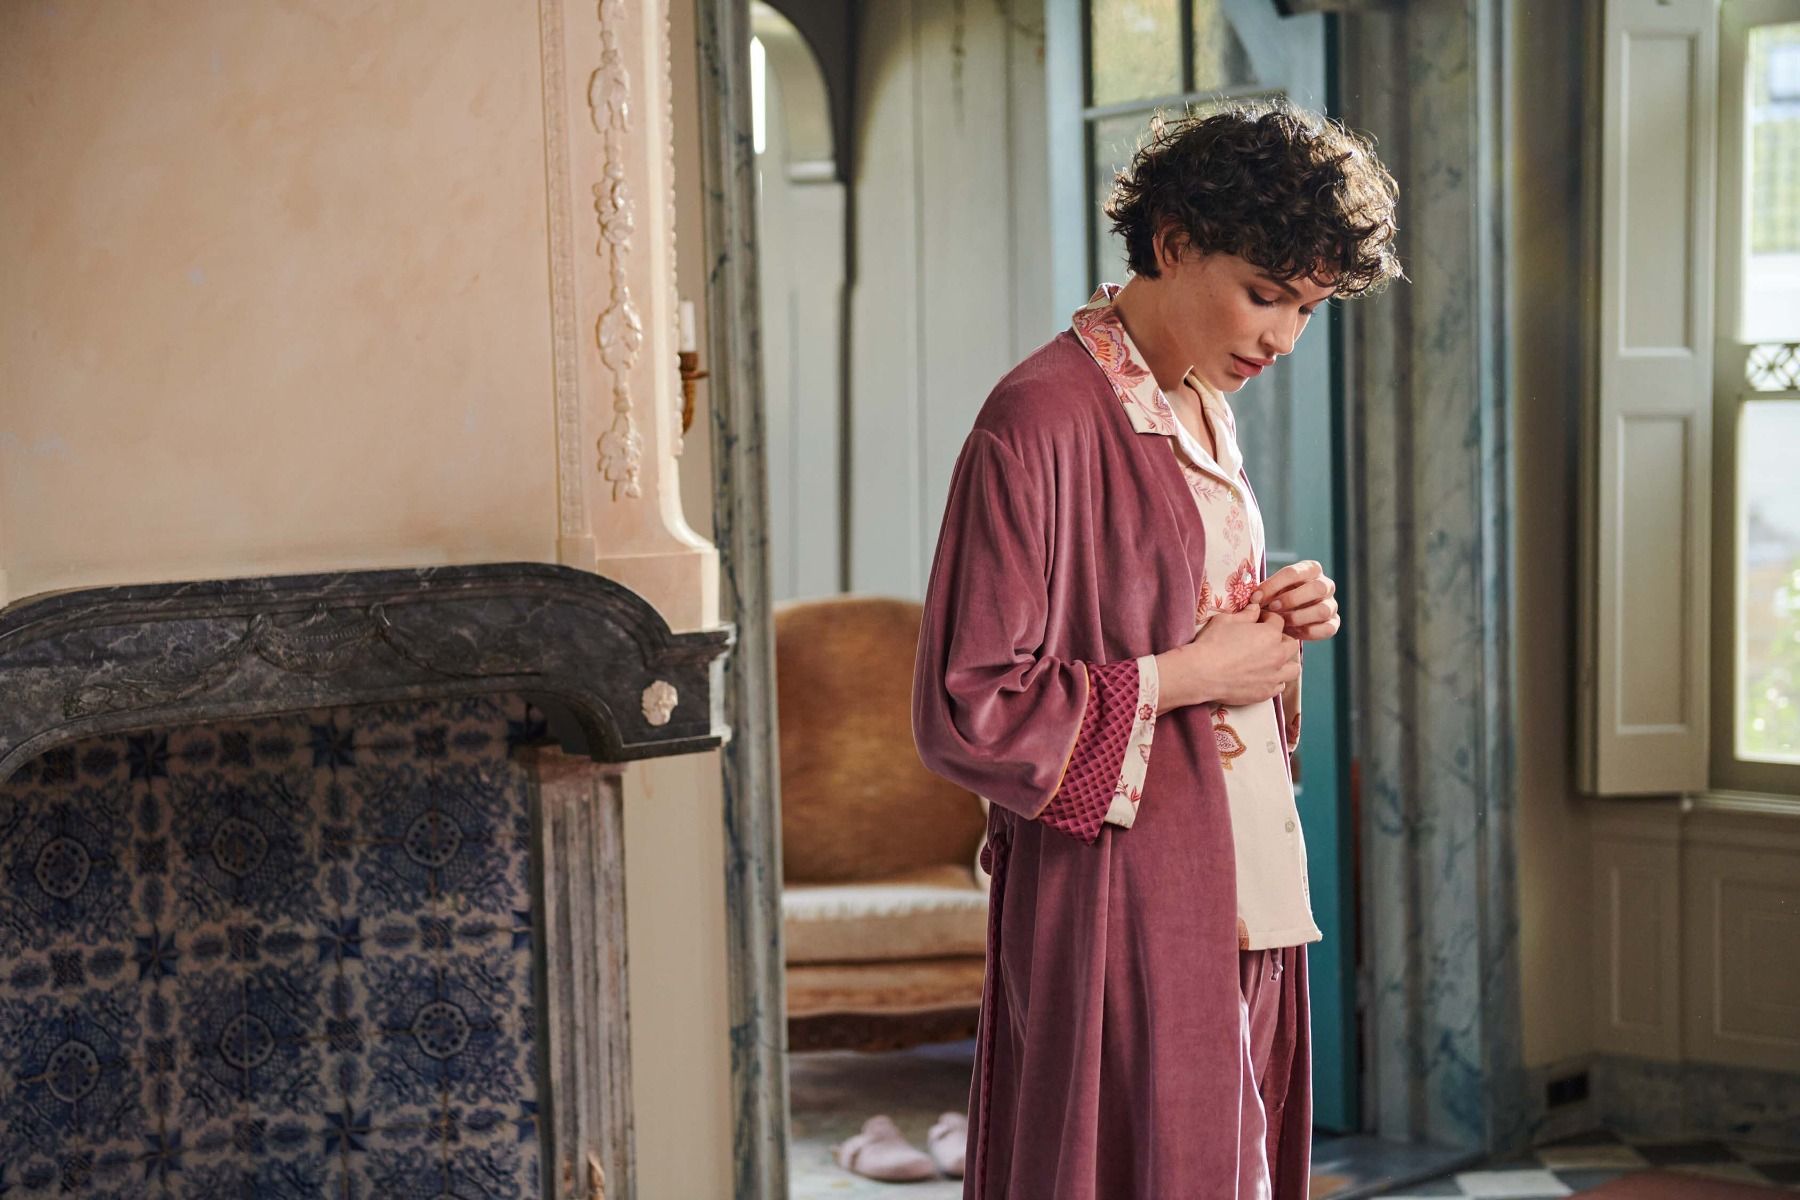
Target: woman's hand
[1306, 599]
[1237, 658]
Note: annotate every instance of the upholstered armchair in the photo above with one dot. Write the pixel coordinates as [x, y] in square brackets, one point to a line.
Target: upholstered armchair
[884, 914]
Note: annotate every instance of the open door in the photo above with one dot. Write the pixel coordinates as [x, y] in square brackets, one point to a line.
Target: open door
[1138, 56]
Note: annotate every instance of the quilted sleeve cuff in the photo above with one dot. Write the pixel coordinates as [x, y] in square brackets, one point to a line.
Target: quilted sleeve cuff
[1085, 795]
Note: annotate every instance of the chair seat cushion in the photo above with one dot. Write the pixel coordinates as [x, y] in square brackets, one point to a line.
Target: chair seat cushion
[890, 989]
[934, 912]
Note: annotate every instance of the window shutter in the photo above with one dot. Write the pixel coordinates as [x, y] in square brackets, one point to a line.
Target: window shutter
[1646, 578]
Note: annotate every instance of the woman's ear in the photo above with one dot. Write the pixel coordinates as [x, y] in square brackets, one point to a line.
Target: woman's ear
[1168, 245]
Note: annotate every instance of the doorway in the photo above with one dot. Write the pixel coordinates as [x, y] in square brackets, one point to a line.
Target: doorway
[1134, 58]
[967, 232]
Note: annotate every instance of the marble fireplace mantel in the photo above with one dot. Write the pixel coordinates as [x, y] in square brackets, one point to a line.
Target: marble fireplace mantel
[103, 660]
[614, 683]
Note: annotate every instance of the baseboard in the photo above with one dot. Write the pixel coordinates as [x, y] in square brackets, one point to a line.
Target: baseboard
[1645, 1098]
[1548, 1124]
[1641, 1097]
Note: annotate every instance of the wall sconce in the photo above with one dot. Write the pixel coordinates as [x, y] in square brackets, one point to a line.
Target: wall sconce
[688, 356]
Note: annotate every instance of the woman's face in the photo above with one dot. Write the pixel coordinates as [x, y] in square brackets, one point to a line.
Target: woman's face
[1232, 319]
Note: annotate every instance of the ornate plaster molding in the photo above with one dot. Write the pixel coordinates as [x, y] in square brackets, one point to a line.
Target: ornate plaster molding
[575, 535]
[619, 332]
[677, 438]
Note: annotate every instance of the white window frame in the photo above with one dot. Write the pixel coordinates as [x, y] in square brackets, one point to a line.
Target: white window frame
[1729, 774]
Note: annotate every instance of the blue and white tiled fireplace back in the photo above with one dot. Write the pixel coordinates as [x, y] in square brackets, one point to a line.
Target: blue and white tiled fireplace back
[272, 959]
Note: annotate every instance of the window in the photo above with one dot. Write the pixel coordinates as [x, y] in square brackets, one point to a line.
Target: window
[1142, 56]
[1783, 71]
[1756, 647]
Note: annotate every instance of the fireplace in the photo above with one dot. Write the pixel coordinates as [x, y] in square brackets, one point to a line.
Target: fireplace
[313, 886]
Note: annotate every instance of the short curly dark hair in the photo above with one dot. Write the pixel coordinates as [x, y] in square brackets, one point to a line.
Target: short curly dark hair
[1290, 191]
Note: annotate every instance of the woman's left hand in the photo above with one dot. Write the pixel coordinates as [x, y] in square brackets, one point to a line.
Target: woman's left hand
[1305, 597]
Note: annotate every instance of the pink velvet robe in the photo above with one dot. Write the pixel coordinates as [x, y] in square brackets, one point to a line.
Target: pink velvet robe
[1111, 1058]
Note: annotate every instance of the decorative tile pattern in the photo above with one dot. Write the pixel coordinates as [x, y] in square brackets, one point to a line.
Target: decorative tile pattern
[276, 959]
[1580, 1164]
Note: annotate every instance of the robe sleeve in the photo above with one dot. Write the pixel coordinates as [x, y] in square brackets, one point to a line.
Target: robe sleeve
[1039, 735]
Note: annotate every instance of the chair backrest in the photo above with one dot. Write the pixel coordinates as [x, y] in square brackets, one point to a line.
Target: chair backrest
[856, 802]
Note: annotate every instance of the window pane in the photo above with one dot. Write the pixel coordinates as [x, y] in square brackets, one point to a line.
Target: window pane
[1136, 49]
[1768, 666]
[1115, 141]
[1772, 100]
[1219, 58]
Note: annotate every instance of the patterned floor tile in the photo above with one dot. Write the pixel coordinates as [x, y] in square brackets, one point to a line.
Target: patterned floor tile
[1582, 1179]
[1372, 1165]
[1512, 1185]
[1596, 1137]
[1600, 1154]
[1736, 1172]
[1517, 1162]
[1669, 1154]
[1430, 1188]
[1588, 1161]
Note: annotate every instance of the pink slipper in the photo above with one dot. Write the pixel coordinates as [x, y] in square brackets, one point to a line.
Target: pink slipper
[948, 1142]
[879, 1152]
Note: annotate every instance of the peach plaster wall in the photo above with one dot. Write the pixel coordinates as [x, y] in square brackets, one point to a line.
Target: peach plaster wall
[278, 296]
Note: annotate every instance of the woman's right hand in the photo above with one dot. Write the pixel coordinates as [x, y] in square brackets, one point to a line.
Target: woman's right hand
[1237, 658]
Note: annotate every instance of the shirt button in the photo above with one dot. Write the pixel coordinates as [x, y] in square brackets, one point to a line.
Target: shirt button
[1290, 827]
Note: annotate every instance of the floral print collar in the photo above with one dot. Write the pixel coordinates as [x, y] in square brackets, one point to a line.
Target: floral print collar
[1099, 329]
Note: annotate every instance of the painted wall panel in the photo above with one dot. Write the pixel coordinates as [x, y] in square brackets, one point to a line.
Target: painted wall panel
[801, 261]
[951, 262]
[1654, 609]
[1742, 937]
[1637, 932]
[1658, 197]
[886, 354]
[1644, 683]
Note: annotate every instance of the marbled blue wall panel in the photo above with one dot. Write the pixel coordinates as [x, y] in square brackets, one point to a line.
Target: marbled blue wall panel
[1431, 610]
[282, 958]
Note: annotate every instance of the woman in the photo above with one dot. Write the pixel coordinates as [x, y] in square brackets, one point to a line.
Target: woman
[1103, 660]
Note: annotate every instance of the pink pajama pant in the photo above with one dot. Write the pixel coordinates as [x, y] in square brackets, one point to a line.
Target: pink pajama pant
[1276, 1150]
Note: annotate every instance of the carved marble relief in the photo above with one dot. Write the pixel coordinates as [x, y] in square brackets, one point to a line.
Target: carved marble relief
[677, 428]
[619, 332]
[660, 699]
